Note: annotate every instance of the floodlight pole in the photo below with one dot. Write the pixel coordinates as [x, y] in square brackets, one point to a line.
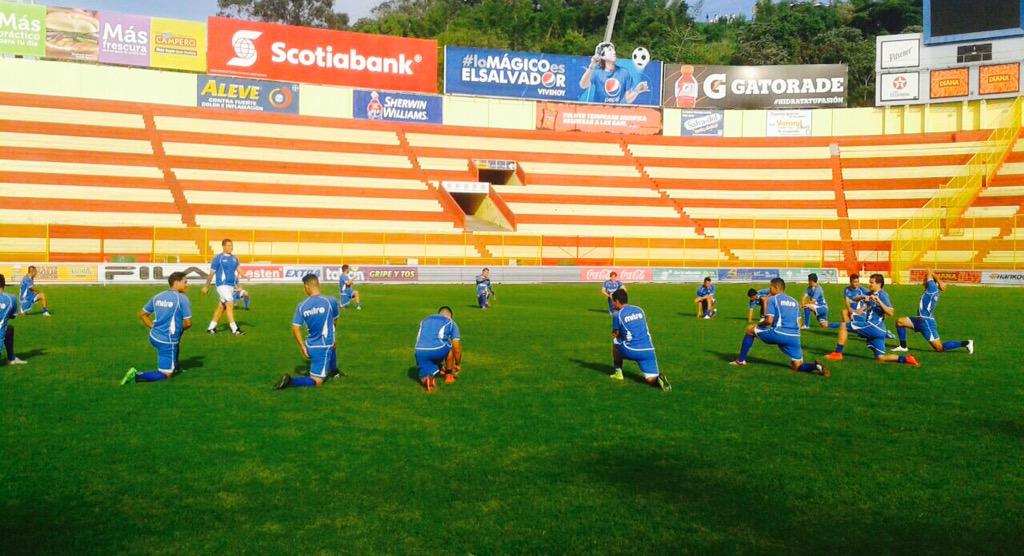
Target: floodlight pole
[611, 21]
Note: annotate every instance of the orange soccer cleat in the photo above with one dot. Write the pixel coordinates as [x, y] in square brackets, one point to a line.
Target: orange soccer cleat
[449, 378]
[911, 360]
[834, 356]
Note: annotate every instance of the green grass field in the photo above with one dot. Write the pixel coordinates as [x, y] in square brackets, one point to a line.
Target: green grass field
[533, 451]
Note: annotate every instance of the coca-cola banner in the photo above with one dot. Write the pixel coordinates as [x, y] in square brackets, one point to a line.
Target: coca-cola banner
[755, 87]
[303, 54]
[626, 274]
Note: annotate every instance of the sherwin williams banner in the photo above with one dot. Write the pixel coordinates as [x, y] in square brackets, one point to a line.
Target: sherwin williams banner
[397, 107]
[124, 39]
[505, 73]
[22, 29]
[177, 44]
[248, 95]
[72, 34]
[755, 87]
[590, 118]
[709, 123]
[303, 54]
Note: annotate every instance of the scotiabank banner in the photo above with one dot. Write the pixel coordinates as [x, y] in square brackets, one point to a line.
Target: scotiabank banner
[630, 274]
[951, 276]
[321, 56]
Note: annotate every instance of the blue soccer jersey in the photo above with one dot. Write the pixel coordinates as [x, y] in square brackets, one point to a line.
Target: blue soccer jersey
[346, 283]
[631, 324]
[611, 286]
[784, 311]
[875, 315]
[225, 267]
[26, 293]
[610, 86]
[317, 313]
[169, 309]
[817, 295]
[761, 294]
[436, 332]
[483, 285]
[702, 291]
[8, 310]
[930, 298]
[850, 293]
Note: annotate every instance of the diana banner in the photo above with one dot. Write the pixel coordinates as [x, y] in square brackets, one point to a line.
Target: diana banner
[755, 87]
[951, 276]
[601, 79]
[246, 95]
[397, 107]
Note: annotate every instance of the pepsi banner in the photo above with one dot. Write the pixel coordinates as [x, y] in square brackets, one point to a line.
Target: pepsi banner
[397, 107]
[247, 95]
[601, 79]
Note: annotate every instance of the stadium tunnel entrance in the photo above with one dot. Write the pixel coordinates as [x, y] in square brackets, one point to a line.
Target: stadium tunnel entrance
[484, 208]
[498, 172]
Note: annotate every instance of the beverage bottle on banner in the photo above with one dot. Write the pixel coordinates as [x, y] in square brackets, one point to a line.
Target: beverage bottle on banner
[375, 110]
[686, 89]
[548, 118]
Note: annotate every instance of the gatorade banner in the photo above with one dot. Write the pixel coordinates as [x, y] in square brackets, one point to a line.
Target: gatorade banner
[755, 87]
[630, 120]
[710, 123]
[22, 29]
[247, 95]
[621, 78]
[397, 107]
[177, 44]
[72, 34]
[124, 39]
[321, 56]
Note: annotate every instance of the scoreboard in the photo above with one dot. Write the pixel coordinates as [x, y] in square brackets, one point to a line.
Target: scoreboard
[948, 21]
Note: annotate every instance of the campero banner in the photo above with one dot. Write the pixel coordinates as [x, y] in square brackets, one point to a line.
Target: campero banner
[755, 87]
[177, 44]
[321, 56]
[22, 29]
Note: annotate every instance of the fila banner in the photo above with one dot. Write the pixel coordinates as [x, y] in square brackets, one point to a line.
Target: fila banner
[755, 87]
[320, 56]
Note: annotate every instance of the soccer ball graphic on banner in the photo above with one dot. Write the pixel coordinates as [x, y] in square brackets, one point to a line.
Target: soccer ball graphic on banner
[641, 57]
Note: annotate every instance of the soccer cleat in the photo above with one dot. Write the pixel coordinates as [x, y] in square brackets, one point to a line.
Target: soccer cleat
[899, 349]
[707, 317]
[911, 360]
[617, 375]
[834, 356]
[449, 378]
[821, 370]
[738, 363]
[663, 382]
[211, 330]
[239, 332]
[359, 307]
[284, 382]
[17, 361]
[970, 347]
[805, 327]
[129, 376]
[46, 313]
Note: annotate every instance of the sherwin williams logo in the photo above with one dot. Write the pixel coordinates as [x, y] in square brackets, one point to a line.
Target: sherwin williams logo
[245, 48]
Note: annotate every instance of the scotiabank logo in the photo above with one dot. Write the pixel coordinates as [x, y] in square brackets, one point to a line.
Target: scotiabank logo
[289, 53]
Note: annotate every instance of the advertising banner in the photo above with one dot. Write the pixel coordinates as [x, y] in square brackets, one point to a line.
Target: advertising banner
[1003, 277]
[949, 83]
[262, 272]
[247, 95]
[375, 273]
[150, 273]
[899, 86]
[788, 123]
[951, 276]
[747, 274]
[124, 39]
[177, 44]
[49, 273]
[704, 123]
[999, 79]
[694, 275]
[397, 107]
[755, 87]
[899, 53]
[22, 29]
[72, 34]
[528, 75]
[321, 56]
[825, 275]
[592, 118]
[626, 274]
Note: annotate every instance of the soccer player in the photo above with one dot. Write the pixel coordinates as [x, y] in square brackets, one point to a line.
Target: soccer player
[348, 292]
[706, 299]
[757, 300]
[814, 302]
[631, 339]
[438, 348]
[779, 327]
[924, 322]
[166, 315]
[319, 314]
[484, 291]
[241, 295]
[869, 323]
[8, 311]
[610, 286]
[224, 269]
[853, 296]
[30, 293]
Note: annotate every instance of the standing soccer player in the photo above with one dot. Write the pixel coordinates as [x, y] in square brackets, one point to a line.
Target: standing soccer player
[484, 291]
[319, 314]
[8, 311]
[706, 299]
[348, 292]
[757, 300]
[224, 269]
[29, 293]
[814, 302]
[779, 327]
[438, 348]
[166, 315]
[610, 286]
[868, 322]
[631, 339]
[925, 323]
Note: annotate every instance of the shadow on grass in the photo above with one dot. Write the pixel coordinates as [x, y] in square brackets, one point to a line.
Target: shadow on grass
[606, 369]
[191, 363]
[414, 374]
[730, 357]
[32, 353]
[602, 311]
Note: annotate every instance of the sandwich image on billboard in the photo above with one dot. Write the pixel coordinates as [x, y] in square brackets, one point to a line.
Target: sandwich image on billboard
[72, 34]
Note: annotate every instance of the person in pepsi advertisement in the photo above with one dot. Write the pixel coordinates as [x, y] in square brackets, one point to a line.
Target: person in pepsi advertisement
[610, 81]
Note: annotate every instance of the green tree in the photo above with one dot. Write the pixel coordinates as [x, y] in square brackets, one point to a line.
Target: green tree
[309, 13]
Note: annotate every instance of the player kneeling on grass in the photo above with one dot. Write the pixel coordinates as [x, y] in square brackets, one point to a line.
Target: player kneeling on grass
[319, 314]
[349, 293]
[868, 322]
[484, 291]
[757, 300]
[438, 348]
[243, 296]
[166, 315]
[8, 311]
[779, 327]
[924, 322]
[814, 302]
[706, 299]
[853, 296]
[631, 339]
[30, 294]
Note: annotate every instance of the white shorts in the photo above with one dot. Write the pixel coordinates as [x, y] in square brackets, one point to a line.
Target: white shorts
[226, 294]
